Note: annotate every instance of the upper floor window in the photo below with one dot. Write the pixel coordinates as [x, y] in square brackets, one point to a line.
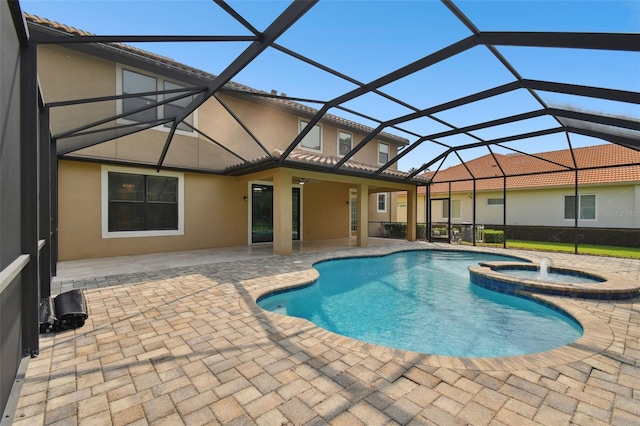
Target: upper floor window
[345, 143]
[383, 153]
[174, 108]
[586, 207]
[382, 203]
[313, 139]
[132, 82]
[495, 201]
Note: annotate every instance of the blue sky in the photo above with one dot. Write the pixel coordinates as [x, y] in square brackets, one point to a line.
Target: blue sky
[367, 39]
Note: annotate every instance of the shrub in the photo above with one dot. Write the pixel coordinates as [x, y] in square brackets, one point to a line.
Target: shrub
[493, 236]
[440, 231]
[395, 230]
[421, 231]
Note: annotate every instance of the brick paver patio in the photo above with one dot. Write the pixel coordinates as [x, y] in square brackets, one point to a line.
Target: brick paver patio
[189, 346]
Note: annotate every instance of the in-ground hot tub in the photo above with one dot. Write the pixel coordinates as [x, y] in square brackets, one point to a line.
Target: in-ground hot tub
[517, 277]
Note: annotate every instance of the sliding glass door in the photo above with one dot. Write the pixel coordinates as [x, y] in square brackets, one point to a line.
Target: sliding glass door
[262, 213]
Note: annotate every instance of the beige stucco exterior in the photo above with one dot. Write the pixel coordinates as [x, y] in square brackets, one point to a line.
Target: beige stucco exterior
[215, 209]
[210, 202]
[68, 74]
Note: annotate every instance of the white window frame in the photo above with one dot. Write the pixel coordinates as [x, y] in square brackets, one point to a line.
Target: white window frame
[495, 205]
[301, 125]
[160, 87]
[380, 144]
[136, 234]
[384, 195]
[338, 142]
[564, 203]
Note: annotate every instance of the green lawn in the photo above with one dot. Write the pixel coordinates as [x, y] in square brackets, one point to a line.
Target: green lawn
[613, 251]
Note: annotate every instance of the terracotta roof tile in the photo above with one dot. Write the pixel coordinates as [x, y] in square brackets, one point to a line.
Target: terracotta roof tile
[301, 156]
[586, 158]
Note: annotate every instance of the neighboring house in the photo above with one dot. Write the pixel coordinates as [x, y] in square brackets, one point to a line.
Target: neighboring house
[221, 182]
[608, 197]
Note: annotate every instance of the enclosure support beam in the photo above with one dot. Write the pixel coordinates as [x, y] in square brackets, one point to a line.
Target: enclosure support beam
[45, 203]
[473, 230]
[427, 210]
[29, 197]
[576, 201]
[504, 211]
[449, 230]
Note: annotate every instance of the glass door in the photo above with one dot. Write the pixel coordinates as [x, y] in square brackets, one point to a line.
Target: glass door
[353, 212]
[262, 213]
[295, 214]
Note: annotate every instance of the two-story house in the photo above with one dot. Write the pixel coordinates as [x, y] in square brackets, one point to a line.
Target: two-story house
[227, 177]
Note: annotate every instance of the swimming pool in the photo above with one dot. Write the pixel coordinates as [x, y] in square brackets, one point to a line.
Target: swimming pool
[423, 301]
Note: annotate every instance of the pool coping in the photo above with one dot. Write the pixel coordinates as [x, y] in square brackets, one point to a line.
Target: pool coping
[489, 276]
[597, 335]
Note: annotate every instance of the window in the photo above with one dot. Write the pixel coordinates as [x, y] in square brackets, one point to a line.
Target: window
[345, 143]
[495, 201]
[313, 139]
[586, 206]
[133, 82]
[455, 209]
[174, 108]
[383, 153]
[382, 203]
[136, 204]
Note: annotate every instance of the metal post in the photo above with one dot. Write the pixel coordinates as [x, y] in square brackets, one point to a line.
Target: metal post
[577, 214]
[54, 208]
[427, 213]
[504, 212]
[449, 229]
[45, 204]
[29, 197]
[473, 230]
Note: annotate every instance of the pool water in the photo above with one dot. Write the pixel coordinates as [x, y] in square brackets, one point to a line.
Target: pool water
[552, 277]
[423, 301]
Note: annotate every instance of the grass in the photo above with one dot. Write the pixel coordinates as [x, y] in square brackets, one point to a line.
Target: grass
[597, 250]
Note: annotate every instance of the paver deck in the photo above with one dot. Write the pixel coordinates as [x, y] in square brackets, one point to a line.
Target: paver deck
[187, 345]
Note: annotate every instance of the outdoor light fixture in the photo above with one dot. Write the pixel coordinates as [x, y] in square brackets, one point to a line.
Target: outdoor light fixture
[302, 181]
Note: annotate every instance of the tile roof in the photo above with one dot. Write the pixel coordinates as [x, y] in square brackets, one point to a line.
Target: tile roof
[328, 161]
[592, 158]
[230, 86]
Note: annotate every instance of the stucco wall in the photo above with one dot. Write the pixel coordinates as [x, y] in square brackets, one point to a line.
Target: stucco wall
[325, 211]
[68, 74]
[401, 211]
[215, 215]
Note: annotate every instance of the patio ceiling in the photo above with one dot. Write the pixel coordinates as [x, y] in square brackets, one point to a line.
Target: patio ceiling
[431, 132]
